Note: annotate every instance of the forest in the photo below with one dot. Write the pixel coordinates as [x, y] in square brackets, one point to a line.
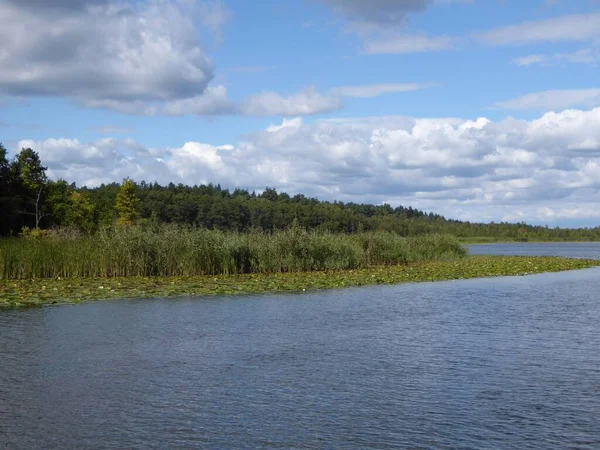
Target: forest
[31, 202]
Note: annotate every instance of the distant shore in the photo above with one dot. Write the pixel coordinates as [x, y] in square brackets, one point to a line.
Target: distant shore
[52, 291]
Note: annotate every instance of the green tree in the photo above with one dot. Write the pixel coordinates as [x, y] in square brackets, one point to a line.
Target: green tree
[128, 203]
[81, 212]
[58, 200]
[31, 171]
[8, 200]
[104, 198]
[32, 176]
[4, 166]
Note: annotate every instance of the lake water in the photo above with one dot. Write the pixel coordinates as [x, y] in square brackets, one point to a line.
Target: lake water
[589, 250]
[508, 363]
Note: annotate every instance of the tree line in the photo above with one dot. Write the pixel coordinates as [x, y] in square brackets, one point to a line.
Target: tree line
[29, 200]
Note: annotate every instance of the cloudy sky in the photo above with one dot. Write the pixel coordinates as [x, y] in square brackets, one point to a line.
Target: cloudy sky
[475, 109]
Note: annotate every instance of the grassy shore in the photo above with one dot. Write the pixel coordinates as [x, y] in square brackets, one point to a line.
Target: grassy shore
[39, 292]
[178, 251]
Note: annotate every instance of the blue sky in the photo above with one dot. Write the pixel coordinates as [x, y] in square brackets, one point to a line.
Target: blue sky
[478, 110]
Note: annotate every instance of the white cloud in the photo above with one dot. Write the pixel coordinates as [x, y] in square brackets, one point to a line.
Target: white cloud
[532, 59]
[546, 169]
[198, 161]
[127, 56]
[294, 123]
[582, 56]
[309, 101]
[378, 22]
[115, 53]
[306, 102]
[581, 27]
[140, 58]
[213, 14]
[410, 43]
[589, 56]
[375, 90]
[213, 102]
[102, 161]
[553, 100]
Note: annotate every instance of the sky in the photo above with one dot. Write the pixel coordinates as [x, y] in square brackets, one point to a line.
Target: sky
[479, 110]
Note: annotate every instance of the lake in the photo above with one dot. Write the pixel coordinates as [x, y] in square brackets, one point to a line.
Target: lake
[472, 364]
[589, 250]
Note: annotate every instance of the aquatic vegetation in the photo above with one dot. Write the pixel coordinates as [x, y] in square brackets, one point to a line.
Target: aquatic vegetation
[186, 251]
[37, 292]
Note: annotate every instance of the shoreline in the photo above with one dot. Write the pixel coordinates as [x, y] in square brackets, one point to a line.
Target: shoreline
[41, 292]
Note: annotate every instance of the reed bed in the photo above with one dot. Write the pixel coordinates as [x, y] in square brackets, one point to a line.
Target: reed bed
[177, 251]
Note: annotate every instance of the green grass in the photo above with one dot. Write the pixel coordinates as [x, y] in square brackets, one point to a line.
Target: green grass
[177, 251]
[38, 292]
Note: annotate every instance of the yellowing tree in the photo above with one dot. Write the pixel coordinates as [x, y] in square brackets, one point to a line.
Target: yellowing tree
[128, 203]
[80, 213]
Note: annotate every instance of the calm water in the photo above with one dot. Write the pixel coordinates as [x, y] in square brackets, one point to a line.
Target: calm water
[505, 363]
[589, 250]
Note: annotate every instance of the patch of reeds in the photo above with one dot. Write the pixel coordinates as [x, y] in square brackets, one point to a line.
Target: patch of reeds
[177, 251]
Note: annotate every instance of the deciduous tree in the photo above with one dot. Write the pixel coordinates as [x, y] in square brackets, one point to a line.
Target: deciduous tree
[32, 177]
[128, 203]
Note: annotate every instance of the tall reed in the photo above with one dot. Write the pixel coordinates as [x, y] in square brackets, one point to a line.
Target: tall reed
[178, 251]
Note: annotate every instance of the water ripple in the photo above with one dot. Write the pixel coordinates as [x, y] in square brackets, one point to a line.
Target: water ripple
[476, 364]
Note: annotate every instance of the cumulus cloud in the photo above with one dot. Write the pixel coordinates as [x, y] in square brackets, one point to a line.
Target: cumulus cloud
[580, 27]
[144, 58]
[213, 102]
[121, 55]
[309, 101]
[306, 102]
[102, 161]
[115, 53]
[553, 100]
[547, 169]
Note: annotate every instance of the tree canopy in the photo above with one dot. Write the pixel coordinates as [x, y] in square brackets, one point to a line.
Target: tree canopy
[29, 199]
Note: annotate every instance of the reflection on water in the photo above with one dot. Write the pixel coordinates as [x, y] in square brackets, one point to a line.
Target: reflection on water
[494, 363]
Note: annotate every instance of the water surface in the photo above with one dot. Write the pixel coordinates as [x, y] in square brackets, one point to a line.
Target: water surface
[589, 250]
[487, 364]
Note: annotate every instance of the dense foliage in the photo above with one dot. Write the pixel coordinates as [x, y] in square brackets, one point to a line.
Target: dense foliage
[29, 199]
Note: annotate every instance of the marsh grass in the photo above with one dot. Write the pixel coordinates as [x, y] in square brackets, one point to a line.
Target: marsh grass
[177, 251]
